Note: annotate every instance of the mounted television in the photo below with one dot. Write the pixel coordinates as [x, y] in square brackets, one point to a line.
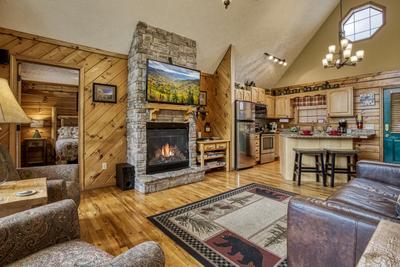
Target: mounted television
[172, 84]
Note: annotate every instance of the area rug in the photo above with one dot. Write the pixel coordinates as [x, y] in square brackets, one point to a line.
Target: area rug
[242, 227]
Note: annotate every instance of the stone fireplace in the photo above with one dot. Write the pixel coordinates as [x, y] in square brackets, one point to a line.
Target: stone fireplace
[163, 147]
[167, 147]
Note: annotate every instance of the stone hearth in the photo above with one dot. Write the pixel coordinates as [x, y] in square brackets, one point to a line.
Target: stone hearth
[154, 43]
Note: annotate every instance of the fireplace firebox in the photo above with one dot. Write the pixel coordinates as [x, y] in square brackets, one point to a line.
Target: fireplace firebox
[167, 146]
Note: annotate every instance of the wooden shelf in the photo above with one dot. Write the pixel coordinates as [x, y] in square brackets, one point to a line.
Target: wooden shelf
[211, 157]
[156, 107]
[216, 146]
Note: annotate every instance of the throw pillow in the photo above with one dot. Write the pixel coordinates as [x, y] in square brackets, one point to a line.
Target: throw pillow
[64, 133]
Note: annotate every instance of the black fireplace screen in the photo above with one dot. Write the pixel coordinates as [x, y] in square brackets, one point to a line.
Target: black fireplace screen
[167, 147]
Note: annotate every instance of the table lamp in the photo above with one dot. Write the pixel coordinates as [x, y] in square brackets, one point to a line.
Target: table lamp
[10, 112]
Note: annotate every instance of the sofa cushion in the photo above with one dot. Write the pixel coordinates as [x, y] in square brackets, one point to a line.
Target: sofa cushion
[369, 195]
[72, 253]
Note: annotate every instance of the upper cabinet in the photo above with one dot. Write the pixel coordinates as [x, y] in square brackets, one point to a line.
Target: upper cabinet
[257, 95]
[340, 102]
[283, 107]
[243, 95]
[269, 101]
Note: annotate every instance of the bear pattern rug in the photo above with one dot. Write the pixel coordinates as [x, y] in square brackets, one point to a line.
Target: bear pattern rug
[242, 227]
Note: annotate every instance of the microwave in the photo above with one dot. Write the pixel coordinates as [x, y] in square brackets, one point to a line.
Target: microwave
[261, 111]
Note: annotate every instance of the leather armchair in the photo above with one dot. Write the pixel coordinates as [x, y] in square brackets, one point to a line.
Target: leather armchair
[335, 232]
[49, 236]
[62, 180]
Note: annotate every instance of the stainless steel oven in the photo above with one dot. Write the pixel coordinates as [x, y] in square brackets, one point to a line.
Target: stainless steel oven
[267, 148]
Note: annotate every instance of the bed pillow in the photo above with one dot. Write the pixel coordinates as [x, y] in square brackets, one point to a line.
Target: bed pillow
[75, 132]
[64, 133]
[398, 207]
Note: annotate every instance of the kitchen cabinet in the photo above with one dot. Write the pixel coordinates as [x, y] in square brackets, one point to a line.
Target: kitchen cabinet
[340, 102]
[257, 95]
[243, 95]
[269, 101]
[283, 107]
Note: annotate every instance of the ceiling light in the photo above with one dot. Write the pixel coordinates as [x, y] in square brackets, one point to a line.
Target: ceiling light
[278, 60]
[343, 57]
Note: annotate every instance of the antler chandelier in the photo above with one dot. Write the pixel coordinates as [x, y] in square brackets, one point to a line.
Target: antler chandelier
[343, 57]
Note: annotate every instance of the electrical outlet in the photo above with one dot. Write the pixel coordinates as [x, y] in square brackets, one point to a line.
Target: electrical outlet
[104, 166]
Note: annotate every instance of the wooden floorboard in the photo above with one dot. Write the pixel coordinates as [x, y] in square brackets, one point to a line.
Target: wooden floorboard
[116, 220]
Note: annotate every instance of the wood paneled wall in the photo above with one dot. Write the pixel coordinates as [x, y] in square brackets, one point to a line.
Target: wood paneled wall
[220, 106]
[104, 124]
[371, 149]
[207, 85]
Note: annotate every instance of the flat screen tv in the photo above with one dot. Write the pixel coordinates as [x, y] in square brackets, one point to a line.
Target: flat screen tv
[172, 84]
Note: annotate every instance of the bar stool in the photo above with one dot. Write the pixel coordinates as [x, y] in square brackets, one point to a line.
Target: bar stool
[331, 169]
[319, 168]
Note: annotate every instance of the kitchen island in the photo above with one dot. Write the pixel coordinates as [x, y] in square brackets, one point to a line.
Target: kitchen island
[289, 141]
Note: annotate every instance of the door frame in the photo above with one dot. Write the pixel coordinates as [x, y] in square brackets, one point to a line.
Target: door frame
[382, 118]
[14, 61]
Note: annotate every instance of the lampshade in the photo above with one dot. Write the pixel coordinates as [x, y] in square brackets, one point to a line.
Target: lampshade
[10, 110]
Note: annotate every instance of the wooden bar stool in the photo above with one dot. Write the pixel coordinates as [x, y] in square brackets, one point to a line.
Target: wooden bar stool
[319, 169]
[331, 169]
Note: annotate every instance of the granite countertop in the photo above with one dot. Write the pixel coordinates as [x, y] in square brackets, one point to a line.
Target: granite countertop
[356, 134]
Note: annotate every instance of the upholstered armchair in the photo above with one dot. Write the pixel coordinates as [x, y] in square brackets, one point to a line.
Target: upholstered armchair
[49, 236]
[62, 180]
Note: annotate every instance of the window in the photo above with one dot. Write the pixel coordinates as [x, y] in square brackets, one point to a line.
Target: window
[363, 22]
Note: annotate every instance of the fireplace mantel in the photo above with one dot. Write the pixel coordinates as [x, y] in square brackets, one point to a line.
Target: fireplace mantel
[156, 107]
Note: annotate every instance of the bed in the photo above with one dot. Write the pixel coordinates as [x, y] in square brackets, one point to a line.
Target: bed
[66, 145]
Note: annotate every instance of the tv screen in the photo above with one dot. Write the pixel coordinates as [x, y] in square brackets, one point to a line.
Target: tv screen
[172, 84]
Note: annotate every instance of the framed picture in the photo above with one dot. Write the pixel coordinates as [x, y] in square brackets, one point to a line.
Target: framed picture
[105, 93]
[203, 99]
[367, 99]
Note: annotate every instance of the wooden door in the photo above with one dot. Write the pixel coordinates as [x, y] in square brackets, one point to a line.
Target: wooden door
[340, 102]
[391, 118]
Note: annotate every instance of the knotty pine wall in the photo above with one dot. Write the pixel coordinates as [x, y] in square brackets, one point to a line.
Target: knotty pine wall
[371, 149]
[207, 84]
[104, 124]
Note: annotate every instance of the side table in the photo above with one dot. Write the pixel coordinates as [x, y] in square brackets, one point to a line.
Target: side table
[10, 203]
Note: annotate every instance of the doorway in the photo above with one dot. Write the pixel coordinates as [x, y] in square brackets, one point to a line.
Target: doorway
[391, 129]
[51, 94]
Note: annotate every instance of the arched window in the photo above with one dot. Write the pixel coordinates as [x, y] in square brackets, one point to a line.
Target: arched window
[363, 22]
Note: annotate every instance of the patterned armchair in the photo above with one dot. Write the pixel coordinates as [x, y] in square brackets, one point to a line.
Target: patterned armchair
[49, 236]
[62, 180]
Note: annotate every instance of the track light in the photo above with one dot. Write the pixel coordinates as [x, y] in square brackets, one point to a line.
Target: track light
[278, 60]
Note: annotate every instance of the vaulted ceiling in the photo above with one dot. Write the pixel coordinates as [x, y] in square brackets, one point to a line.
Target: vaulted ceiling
[280, 27]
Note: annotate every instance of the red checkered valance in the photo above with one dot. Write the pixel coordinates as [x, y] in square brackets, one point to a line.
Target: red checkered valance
[307, 101]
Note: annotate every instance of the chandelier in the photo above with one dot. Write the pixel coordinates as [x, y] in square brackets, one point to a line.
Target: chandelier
[344, 55]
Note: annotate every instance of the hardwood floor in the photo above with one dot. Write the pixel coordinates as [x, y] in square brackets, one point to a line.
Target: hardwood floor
[116, 220]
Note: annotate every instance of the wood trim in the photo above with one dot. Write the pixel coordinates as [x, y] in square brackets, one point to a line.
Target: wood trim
[34, 37]
[81, 123]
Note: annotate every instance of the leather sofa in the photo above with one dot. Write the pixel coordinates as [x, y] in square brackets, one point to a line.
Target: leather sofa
[336, 231]
[49, 236]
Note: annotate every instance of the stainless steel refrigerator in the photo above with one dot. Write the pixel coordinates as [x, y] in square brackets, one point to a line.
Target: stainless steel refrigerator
[244, 135]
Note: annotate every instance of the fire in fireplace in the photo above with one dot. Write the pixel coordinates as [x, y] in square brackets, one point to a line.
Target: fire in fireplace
[167, 147]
